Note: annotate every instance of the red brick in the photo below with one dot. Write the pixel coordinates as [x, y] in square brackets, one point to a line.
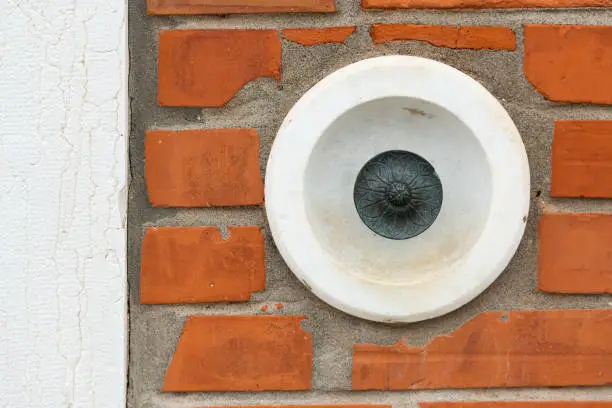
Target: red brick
[570, 63]
[306, 406]
[194, 264]
[575, 253]
[474, 37]
[582, 159]
[480, 4]
[314, 36]
[241, 353]
[239, 6]
[208, 67]
[496, 349]
[518, 404]
[201, 168]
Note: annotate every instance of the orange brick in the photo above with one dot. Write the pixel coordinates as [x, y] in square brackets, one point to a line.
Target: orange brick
[239, 6]
[480, 4]
[307, 406]
[518, 404]
[314, 36]
[201, 168]
[570, 63]
[207, 67]
[582, 159]
[241, 353]
[495, 349]
[575, 253]
[474, 37]
[194, 264]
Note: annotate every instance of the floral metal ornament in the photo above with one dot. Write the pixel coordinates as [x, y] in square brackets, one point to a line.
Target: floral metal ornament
[398, 194]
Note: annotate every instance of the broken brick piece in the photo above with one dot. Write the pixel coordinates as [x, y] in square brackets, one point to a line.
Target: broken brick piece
[206, 68]
[480, 4]
[168, 7]
[549, 348]
[470, 37]
[241, 353]
[570, 63]
[518, 404]
[194, 264]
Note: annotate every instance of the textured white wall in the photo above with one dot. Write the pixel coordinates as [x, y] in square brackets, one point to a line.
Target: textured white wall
[63, 127]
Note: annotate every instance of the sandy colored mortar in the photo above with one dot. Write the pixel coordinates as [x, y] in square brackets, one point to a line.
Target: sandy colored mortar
[262, 104]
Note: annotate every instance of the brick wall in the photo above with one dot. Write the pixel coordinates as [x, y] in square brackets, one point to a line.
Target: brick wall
[217, 318]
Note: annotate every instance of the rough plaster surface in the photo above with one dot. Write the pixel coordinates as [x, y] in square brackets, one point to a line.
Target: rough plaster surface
[63, 125]
[262, 104]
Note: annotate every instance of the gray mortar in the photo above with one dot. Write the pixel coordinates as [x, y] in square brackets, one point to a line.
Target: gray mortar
[262, 104]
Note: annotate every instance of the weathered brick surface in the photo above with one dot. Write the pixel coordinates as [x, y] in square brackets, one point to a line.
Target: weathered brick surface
[518, 404]
[553, 348]
[472, 37]
[207, 67]
[202, 168]
[480, 4]
[239, 6]
[194, 264]
[241, 353]
[569, 63]
[575, 253]
[224, 351]
[582, 159]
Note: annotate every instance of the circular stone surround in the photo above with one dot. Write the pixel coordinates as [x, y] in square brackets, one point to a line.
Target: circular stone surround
[409, 104]
[398, 194]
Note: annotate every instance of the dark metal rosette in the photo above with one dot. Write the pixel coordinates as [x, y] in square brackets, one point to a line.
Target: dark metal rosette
[398, 194]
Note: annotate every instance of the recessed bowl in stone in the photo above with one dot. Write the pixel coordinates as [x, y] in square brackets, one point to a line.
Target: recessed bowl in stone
[397, 189]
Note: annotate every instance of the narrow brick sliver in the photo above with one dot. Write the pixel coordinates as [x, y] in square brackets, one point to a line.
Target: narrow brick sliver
[315, 36]
[518, 404]
[203, 168]
[241, 353]
[582, 159]
[553, 348]
[568, 63]
[481, 4]
[205, 68]
[194, 264]
[575, 253]
[239, 6]
[470, 37]
[307, 406]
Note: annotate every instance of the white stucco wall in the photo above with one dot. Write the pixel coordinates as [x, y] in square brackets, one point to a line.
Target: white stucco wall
[63, 127]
